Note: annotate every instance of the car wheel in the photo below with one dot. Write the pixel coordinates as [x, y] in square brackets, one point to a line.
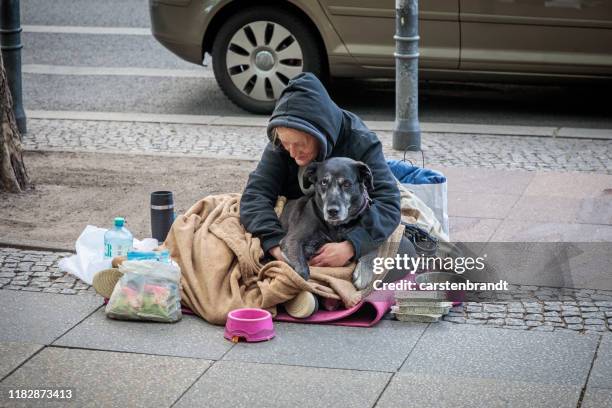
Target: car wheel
[257, 51]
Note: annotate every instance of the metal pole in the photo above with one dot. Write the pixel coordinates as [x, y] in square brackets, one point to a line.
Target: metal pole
[407, 132]
[10, 43]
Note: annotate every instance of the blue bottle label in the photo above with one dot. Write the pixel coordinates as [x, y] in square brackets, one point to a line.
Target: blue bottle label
[108, 250]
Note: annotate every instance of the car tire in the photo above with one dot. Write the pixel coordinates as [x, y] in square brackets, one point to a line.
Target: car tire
[257, 51]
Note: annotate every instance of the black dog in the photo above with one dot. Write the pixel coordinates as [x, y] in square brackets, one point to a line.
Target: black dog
[340, 196]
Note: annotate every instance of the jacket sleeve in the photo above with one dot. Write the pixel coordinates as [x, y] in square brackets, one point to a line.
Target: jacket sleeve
[260, 195]
[384, 215]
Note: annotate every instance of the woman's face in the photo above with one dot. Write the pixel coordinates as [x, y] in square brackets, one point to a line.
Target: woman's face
[302, 147]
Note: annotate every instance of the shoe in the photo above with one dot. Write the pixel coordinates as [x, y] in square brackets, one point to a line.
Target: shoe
[104, 281]
[305, 304]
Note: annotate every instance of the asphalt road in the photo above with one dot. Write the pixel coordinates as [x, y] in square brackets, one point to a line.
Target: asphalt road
[52, 82]
[107, 13]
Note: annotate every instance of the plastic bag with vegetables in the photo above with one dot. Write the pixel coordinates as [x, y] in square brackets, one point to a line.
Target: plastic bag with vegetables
[148, 290]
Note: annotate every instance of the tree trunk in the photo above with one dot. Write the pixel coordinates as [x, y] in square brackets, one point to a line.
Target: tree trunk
[13, 174]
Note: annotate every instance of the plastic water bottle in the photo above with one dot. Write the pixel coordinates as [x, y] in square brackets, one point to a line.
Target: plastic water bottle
[118, 241]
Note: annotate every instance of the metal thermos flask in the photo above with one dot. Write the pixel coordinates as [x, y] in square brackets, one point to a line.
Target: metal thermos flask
[162, 214]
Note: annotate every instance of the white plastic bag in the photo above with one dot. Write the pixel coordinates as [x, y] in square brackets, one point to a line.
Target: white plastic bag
[430, 186]
[426, 220]
[89, 258]
[435, 196]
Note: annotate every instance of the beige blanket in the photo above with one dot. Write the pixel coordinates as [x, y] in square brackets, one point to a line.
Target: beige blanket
[221, 269]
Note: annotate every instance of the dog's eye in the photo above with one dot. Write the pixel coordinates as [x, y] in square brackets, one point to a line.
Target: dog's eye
[323, 183]
[346, 184]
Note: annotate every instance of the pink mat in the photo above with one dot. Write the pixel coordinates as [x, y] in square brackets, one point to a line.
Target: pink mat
[364, 314]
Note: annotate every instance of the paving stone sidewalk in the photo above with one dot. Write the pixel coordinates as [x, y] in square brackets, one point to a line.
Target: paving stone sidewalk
[521, 308]
[247, 143]
[37, 271]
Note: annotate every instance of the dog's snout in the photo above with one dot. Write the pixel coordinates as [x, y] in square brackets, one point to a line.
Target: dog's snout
[333, 211]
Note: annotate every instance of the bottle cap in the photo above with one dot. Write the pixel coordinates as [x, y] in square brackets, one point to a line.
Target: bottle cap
[119, 221]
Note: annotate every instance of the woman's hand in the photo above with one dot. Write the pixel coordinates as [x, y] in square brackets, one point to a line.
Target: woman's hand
[333, 254]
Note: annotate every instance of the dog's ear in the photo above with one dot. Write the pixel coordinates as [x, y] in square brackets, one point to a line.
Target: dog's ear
[365, 176]
[310, 174]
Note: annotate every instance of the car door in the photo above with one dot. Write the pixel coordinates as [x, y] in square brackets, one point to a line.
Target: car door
[367, 28]
[540, 36]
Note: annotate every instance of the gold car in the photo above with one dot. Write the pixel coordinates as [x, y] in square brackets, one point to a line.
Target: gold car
[258, 45]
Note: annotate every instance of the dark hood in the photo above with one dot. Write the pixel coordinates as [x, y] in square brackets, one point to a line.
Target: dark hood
[305, 105]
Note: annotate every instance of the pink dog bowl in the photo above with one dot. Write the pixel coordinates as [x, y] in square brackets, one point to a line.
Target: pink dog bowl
[249, 324]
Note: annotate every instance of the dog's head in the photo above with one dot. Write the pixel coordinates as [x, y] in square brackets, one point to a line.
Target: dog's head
[341, 188]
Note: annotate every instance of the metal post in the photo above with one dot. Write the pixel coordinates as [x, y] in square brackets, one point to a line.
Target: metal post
[407, 132]
[10, 43]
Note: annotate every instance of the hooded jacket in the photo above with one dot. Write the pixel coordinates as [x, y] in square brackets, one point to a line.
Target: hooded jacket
[305, 105]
